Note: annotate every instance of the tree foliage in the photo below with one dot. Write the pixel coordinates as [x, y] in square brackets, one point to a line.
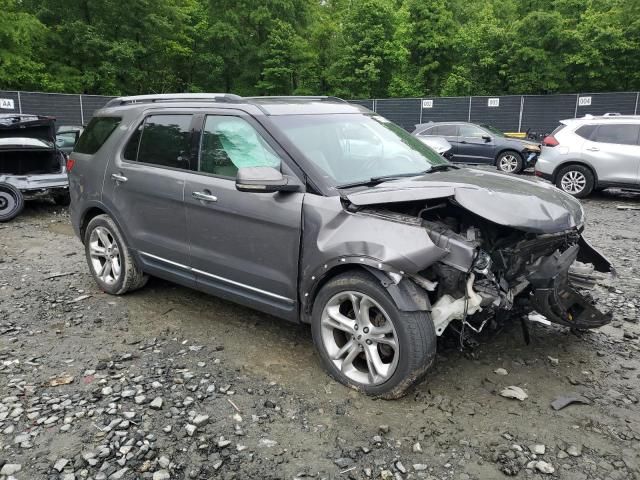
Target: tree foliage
[350, 48]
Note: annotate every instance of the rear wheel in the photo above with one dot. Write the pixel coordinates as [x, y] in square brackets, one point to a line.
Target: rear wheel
[510, 162]
[11, 202]
[366, 342]
[109, 258]
[576, 180]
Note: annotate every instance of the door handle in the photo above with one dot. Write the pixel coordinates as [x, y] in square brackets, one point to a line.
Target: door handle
[593, 149]
[464, 142]
[119, 178]
[205, 197]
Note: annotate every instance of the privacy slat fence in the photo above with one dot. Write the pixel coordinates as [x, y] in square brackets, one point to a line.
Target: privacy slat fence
[518, 113]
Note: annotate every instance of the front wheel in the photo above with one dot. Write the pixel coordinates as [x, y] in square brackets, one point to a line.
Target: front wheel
[366, 342]
[510, 162]
[110, 259]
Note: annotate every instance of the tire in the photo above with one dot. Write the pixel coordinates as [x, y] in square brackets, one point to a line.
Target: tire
[62, 199]
[510, 161]
[576, 180]
[102, 234]
[11, 202]
[413, 332]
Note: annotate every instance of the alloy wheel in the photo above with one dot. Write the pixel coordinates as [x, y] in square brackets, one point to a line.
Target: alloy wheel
[359, 338]
[105, 255]
[509, 163]
[573, 182]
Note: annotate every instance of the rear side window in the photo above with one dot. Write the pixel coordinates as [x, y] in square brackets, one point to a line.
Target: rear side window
[96, 133]
[163, 140]
[448, 130]
[586, 131]
[617, 133]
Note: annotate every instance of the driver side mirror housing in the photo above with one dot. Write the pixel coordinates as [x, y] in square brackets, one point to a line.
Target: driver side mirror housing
[264, 180]
[486, 138]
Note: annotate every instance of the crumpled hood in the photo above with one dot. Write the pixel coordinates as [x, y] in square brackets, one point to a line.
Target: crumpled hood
[524, 204]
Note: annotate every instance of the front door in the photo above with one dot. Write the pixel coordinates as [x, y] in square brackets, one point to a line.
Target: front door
[473, 145]
[243, 246]
[144, 187]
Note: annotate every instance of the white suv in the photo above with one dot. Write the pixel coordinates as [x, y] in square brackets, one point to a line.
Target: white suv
[592, 153]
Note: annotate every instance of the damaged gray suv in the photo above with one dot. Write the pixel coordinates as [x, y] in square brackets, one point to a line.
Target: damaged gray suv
[318, 211]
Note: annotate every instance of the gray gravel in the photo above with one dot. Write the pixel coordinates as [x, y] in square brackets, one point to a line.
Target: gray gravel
[168, 383]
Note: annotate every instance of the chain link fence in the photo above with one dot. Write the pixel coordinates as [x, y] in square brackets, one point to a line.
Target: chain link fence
[512, 113]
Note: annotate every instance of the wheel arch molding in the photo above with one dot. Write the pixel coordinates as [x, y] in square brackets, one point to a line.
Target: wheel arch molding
[406, 295]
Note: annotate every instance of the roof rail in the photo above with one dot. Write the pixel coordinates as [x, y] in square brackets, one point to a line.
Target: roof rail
[322, 98]
[175, 97]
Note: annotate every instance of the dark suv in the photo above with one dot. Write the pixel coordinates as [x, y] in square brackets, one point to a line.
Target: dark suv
[322, 212]
[483, 144]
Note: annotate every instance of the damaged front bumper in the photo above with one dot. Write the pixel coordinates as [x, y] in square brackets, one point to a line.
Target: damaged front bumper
[524, 279]
[555, 288]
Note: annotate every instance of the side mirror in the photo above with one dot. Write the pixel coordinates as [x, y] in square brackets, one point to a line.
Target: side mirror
[486, 138]
[263, 180]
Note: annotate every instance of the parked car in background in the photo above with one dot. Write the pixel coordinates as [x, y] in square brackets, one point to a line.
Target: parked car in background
[592, 153]
[439, 144]
[30, 163]
[280, 205]
[483, 144]
[67, 137]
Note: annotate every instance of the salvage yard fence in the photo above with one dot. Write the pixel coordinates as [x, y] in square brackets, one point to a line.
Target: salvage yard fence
[516, 113]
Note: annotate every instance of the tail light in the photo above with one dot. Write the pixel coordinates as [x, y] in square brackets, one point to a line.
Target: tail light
[70, 163]
[550, 141]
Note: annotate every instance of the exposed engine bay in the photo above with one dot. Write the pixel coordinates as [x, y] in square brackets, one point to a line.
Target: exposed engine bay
[492, 270]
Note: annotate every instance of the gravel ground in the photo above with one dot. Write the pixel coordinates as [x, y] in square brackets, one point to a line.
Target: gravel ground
[170, 383]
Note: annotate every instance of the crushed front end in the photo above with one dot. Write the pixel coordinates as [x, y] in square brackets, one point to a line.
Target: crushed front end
[492, 269]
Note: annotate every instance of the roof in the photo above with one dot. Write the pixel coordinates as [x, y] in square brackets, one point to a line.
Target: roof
[282, 105]
[608, 117]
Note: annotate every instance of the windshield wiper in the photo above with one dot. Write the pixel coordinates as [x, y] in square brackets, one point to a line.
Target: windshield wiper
[376, 180]
[441, 167]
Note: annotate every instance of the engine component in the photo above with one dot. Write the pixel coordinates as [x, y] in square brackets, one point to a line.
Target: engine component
[447, 308]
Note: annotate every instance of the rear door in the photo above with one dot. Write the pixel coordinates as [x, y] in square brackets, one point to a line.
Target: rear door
[144, 186]
[613, 150]
[473, 147]
[243, 246]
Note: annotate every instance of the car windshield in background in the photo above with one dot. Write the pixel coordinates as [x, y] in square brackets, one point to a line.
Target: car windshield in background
[352, 148]
[493, 130]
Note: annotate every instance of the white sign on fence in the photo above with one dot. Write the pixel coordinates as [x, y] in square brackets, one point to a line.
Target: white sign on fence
[427, 103]
[584, 101]
[6, 103]
[493, 102]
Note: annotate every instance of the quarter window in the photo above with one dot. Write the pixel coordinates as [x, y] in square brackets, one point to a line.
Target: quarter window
[617, 133]
[162, 140]
[96, 133]
[230, 143]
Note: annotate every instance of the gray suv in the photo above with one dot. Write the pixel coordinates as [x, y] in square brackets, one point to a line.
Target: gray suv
[592, 153]
[322, 212]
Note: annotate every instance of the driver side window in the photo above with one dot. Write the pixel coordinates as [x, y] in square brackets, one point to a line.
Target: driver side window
[229, 143]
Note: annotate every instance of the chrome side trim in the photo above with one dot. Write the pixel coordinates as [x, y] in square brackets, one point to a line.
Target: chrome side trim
[221, 279]
[175, 264]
